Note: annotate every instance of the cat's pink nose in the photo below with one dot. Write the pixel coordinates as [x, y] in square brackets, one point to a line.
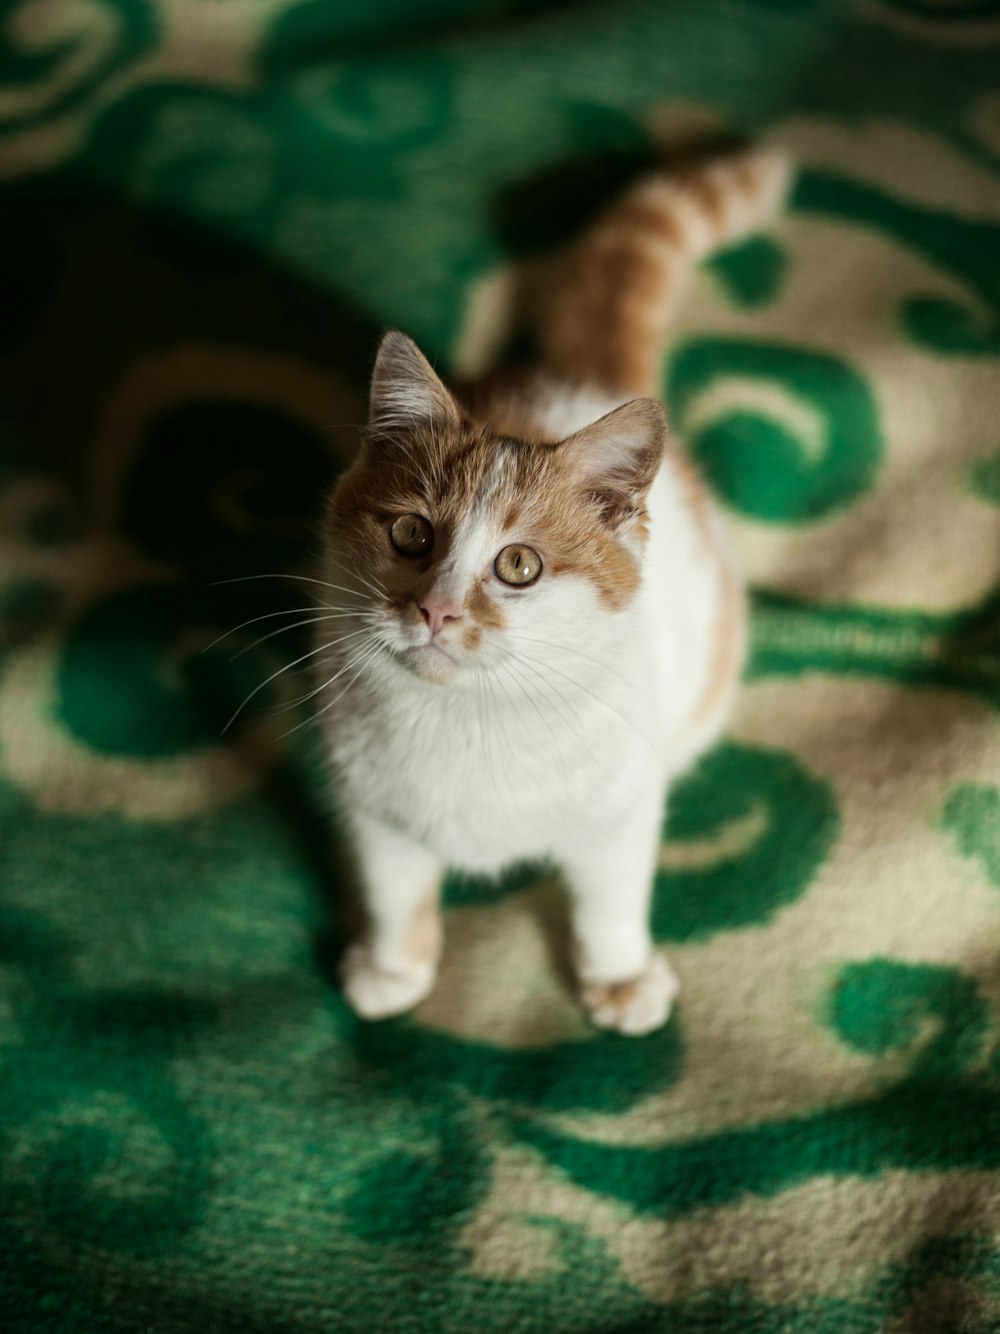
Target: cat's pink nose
[437, 613]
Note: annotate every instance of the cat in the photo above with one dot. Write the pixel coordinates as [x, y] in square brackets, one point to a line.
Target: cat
[543, 625]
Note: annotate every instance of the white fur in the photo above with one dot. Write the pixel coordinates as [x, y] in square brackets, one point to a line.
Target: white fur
[561, 750]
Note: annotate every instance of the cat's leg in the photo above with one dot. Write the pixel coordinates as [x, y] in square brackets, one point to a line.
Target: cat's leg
[624, 983]
[393, 965]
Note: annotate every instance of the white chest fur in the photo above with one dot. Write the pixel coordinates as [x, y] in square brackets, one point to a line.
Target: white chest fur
[498, 770]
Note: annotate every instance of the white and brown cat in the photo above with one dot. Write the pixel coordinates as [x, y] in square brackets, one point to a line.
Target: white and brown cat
[542, 625]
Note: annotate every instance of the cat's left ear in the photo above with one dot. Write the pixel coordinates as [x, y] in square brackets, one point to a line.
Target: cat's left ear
[406, 393]
[616, 458]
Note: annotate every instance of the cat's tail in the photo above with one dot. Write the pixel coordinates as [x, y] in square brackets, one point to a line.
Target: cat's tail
[606, 315]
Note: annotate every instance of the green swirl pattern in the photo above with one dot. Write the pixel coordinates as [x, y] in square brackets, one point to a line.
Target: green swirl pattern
[757, 463]
[768, 1158]
[963, 248]
[59, 56]
[209, 212]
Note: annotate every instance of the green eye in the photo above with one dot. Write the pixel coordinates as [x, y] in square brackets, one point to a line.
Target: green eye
[518, 565]
[411, 535]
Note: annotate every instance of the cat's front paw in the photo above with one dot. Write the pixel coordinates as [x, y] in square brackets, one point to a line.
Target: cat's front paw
[637, 1005]
[375, 992]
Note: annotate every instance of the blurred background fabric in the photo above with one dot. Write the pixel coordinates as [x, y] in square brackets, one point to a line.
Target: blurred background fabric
[208, 210]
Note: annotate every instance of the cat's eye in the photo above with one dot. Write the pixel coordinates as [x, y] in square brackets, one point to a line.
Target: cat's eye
[411, 535]
[518, 565]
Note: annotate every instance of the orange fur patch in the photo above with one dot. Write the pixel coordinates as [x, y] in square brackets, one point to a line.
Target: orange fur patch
[571, 531]
[711, 194]
[423, 934]
[590, 553]
[616, 996]
[603, 324]
[484, 610]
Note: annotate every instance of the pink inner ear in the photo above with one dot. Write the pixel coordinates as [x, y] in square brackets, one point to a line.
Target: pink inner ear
[617, 457]
[617, 503]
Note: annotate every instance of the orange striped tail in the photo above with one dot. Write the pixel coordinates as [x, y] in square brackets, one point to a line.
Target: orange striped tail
[607, 318]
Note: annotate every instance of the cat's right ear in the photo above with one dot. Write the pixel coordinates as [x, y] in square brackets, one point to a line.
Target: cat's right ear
[406, 394]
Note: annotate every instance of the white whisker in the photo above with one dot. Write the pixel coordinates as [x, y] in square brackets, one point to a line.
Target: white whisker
[311, 694]
[289, 611]
[283, 629]
[578, 685]
[598, 662]
[281, 670]
[304, 578]
[359, 661]
[484, 732]
[551, 731]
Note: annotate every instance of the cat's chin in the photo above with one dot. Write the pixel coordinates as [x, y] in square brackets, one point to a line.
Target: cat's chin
[430, 663]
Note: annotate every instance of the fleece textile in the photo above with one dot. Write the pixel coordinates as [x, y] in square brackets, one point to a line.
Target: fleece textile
[209, 211]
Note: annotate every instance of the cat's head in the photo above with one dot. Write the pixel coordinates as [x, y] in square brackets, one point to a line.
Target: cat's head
[463, 548]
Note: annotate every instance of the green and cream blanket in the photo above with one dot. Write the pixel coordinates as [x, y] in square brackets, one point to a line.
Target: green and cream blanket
[208, 209]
